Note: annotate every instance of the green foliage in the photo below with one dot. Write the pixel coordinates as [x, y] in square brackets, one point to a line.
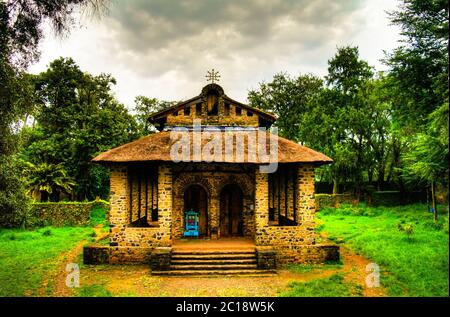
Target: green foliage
[407, 228]
[20, 33]
[99, 214]
[144, 106]
[80, 119]
[47, 177]
[288, 98]
[407, 269]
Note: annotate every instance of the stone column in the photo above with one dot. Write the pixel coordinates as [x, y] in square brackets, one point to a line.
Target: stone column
[213, 215]
[306, 201]
[165, 203]
[261, 204]
[119, 202]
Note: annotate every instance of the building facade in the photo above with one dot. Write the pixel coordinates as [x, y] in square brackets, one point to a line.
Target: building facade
[215, 156]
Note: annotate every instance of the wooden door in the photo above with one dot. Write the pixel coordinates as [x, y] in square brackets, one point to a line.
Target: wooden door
[231, 219]
[195, 198]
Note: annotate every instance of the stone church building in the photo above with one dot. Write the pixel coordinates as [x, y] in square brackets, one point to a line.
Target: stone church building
[152, 187]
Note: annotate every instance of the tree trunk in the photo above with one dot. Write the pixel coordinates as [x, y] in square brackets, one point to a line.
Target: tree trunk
[335, 186]
[433, 201]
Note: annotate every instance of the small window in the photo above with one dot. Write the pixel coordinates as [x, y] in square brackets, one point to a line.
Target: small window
[187, 111]
[175, 113]
[227, 109]
[238, 111]
[198, 109]
[249, 114]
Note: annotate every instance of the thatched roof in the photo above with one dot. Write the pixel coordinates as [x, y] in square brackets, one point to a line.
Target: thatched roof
[157, 146]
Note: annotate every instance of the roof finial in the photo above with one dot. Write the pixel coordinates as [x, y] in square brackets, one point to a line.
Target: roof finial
[212, 76]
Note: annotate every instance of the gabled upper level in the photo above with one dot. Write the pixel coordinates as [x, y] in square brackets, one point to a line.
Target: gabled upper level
[214, 108]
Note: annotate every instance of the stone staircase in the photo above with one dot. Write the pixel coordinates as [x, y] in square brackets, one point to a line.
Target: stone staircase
[213, 263]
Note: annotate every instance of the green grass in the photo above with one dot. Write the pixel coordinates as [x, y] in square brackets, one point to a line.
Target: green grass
[411, 265]
[305, 268]
[93, 290]
[333, 286]
[27, 257]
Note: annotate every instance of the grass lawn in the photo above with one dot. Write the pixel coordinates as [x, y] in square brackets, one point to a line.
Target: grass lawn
[28, 257]
[333, 286]
[411, 265]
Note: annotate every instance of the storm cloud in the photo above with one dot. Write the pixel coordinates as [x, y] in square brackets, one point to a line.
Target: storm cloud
[162, 48]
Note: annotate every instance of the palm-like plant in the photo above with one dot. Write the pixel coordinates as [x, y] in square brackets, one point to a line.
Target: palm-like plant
[47, 178]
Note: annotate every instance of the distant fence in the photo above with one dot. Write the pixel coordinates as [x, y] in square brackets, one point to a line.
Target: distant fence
[61, 213]
[396, 198]
[332, 200]
[376, 198]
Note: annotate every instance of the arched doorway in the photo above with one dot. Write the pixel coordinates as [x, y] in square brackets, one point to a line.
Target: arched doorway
[195, 198]
[231, 218]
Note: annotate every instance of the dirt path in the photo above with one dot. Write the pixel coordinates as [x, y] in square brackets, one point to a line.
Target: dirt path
[355, 269]
[60, 288]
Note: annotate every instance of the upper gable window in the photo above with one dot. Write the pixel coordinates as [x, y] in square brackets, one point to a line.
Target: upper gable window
[249, 114]
[238, 111]
[227, 109]
[212, 101]
[187, 111]
[175, 113]
[198, 109]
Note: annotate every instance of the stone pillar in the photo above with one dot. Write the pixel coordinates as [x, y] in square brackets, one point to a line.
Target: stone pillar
[213, 215]
[165, 203]
[306, 201]
[119, 201]
[261, 204]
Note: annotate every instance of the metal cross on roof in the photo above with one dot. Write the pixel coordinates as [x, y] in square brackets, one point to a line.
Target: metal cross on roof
[212, 76]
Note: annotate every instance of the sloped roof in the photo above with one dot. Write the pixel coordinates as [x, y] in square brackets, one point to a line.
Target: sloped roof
[157, 147]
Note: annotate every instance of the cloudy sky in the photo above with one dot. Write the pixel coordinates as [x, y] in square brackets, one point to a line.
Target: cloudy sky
[163, 48]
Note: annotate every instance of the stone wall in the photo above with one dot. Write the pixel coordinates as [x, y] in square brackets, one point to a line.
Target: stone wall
[121, 234]
[292, 243]
[59, 214]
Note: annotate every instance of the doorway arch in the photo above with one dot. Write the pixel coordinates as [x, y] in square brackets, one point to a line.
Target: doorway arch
[196, 198]
[231, 211]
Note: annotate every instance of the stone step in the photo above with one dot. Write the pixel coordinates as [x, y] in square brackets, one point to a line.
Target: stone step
[212, 261]
[212, 273]
[212, 267]
[216, 256]
[211, 252]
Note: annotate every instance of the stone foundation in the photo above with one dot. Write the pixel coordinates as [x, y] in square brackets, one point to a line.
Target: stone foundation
[266, 258]
[96, 254]
[307, 254]
[160, 259]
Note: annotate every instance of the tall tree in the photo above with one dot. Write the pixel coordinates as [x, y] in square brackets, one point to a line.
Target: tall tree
[144, 106]
[347, 77]
[79, 119]
[20, 34]
[288, 98]
[419, 70]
